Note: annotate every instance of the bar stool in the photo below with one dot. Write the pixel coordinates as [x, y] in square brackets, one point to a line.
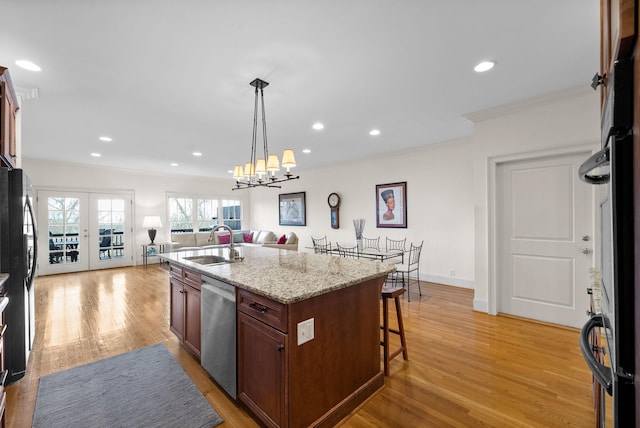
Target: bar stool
[392, 293]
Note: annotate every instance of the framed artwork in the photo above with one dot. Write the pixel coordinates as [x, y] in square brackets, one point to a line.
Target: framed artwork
[293, 210]
[391, 205]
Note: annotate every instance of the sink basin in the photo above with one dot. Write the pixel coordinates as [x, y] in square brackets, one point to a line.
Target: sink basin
[207, 259]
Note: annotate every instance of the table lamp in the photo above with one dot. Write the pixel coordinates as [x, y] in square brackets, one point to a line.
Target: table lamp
[152, 222]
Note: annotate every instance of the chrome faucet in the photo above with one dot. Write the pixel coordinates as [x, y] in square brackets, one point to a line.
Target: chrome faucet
[233, 254]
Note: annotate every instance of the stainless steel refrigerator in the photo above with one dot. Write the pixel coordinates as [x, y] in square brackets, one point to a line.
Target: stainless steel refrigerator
[613, 168]
[18, 254]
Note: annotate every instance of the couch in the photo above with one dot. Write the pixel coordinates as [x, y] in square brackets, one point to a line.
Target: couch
[264, 238]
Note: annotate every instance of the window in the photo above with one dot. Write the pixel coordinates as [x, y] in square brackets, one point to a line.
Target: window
[207, 214]
[181, 214]
[182, 217]
[231, 214]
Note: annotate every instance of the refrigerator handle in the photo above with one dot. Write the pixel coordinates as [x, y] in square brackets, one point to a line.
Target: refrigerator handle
[599, 370]
[597, 160]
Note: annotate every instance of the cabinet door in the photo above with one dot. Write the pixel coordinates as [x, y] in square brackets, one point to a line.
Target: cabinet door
[262, 354]
[192, 319]
[8, 109]
[176, 319]
[617, 31]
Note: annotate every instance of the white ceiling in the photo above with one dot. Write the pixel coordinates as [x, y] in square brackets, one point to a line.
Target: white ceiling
[166, 78]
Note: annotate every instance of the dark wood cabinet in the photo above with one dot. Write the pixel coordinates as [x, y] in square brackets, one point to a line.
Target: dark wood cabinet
[262, 369]
[184, 319]
[617, 35]
[8, 110]
[192, 317]
[176, 320]
[310, 362]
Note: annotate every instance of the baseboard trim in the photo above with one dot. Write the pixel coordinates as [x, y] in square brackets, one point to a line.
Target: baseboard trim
[447, 280]
[481, 305]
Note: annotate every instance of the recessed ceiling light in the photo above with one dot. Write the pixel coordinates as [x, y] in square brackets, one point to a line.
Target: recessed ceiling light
[484, 66]
[173, 164]
[106, 139]
[374, 132]
[318, 126]
[230, 171]
[306, 151]
[196, 154]
[28, 65]
[96, 155]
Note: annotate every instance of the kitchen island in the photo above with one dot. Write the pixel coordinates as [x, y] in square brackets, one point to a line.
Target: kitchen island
[308, 330]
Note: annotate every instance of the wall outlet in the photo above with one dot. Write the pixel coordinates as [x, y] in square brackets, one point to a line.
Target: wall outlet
[305, 331]
[452, 272]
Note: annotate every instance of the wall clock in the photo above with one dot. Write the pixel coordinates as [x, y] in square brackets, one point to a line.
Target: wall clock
[334, 205]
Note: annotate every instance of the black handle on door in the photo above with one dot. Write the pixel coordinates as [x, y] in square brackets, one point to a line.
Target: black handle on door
[599, 370]
[598, 160]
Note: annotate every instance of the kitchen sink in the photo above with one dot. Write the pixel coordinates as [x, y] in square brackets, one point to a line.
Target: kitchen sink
[207, 259]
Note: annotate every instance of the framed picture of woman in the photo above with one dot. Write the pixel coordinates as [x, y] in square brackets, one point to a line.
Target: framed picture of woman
[391, 205]
[293, 209]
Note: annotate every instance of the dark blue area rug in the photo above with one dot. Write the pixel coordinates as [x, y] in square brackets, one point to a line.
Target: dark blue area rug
[142, 388]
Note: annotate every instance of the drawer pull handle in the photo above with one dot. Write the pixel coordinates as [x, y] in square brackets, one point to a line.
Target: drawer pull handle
[280, 347]
[258, 307]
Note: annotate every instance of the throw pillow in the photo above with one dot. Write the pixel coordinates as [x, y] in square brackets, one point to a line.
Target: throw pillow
[238, 237]
[248, 237]
[224, 239]
[282, 239]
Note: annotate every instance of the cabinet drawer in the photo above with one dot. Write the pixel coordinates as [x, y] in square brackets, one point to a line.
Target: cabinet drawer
[264, 309]
[185, 275]
[192, 278]
[175, 271]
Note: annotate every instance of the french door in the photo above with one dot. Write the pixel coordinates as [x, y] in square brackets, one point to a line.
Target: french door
[83, 231]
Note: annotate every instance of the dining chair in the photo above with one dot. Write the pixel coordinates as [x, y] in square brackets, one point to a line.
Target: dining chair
[371, 243]
[105, 247]
[412, 265]
[55, 252]
[393, 244]
[348, 252]
[321, 245]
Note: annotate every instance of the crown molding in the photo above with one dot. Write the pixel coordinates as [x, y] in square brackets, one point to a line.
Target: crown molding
[26, 92]
[527, 104]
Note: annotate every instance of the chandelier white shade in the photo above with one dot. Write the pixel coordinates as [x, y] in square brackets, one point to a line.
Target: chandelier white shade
[261, 171]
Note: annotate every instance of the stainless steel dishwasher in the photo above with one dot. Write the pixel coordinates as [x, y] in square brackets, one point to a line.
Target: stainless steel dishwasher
[218, 333]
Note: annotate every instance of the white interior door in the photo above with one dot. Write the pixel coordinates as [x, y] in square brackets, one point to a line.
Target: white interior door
[83, 231]
[545, 243]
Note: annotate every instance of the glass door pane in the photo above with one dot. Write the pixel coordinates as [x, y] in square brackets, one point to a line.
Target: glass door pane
[63, 235]
[110, 223]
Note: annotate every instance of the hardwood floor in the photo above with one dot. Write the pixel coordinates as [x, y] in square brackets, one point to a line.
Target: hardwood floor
[464, 369]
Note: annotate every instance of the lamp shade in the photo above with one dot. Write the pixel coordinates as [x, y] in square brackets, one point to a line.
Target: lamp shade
[151, 221]
[237, 172]
[273, 164]
[261, 166]
[288, 158]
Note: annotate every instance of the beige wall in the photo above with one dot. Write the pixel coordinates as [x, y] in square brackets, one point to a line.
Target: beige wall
[439, 203]
[547, 125]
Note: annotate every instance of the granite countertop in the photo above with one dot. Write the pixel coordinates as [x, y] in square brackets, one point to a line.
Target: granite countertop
[283, 275]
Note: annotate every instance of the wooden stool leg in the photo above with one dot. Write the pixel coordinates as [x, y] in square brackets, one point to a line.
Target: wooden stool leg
[385, 332]
[403, 342]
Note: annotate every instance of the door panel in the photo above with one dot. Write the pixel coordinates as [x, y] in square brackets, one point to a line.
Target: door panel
[544, 212]
[63, 233]
[83, 231]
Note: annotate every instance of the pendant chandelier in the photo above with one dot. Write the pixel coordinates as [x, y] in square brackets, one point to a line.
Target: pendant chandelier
[261, 171]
